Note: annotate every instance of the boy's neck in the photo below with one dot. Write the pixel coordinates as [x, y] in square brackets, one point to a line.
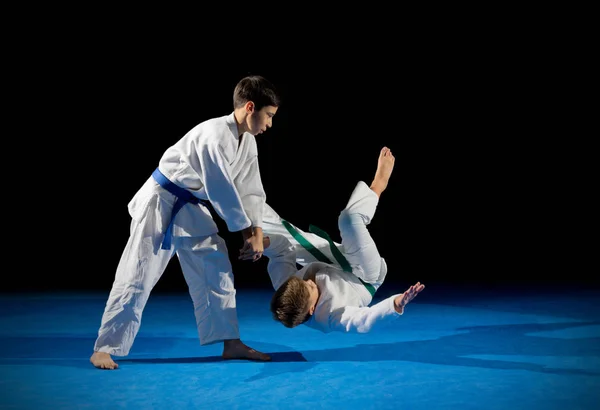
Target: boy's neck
[240, 116]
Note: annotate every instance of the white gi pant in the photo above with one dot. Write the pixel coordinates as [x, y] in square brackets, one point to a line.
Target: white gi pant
[204, 262]
[358, 247]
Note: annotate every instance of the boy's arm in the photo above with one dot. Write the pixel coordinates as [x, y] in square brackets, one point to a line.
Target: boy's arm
[364, 319]
[353, 319]
[252, 194]
[221, 188]
[238, 201]
[250, 188]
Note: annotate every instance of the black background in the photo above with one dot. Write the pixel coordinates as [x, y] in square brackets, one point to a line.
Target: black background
[488, 189]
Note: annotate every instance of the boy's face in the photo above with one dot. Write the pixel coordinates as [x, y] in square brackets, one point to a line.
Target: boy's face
[260, 121]
[313, 290]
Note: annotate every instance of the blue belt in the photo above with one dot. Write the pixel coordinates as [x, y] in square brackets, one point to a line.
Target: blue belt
[183, 197]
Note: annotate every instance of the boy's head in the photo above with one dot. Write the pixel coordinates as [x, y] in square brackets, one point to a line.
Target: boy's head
[257, 89]
[295, 301]
[255, 102]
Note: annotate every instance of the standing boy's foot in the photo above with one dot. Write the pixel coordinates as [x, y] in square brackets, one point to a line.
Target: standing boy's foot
[385, 166]
[103, 361]
[235, 349]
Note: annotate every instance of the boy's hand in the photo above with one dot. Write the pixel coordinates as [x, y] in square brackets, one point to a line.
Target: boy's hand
[253, 247]
[402, 300]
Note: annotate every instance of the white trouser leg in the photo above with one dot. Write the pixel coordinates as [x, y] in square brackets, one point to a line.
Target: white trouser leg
[284, 251]
[208, 272]
[359, 247]
[282, 259]
[272, 225]
[138, 271]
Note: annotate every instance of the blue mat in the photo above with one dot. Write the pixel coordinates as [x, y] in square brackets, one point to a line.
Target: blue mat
[480, 350]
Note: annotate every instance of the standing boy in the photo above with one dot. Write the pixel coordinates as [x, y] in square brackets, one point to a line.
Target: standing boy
[214, 165]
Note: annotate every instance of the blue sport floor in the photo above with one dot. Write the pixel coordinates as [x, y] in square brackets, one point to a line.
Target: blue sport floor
[452, 349]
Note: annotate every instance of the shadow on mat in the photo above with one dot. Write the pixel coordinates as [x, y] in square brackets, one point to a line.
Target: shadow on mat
[452, 350]
[500, 340]
[275, 357]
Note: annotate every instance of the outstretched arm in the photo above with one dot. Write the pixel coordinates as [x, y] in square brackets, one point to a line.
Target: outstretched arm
[364, 319]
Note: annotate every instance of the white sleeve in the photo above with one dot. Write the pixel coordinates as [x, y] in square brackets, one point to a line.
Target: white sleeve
[220, 187]
[363, 319]
[252, 193]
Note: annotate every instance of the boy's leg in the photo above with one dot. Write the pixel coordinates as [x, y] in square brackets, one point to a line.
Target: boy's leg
[208, 272]
[359, 248]
[138, 271]
[282, 259]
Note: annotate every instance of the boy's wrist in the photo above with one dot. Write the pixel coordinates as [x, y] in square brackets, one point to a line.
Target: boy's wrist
[398, 304]
[247, 232]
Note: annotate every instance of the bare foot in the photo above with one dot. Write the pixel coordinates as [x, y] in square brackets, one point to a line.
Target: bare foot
[385, 166]
[103, 361]
[235, 349]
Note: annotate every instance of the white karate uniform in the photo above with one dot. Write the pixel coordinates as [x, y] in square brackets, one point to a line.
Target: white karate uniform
[344, 300]
[214, 164]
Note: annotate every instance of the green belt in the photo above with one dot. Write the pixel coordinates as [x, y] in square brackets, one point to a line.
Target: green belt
[319, 255]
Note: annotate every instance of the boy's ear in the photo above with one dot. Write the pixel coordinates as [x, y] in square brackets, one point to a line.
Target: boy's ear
[249, 106]
[311, 310]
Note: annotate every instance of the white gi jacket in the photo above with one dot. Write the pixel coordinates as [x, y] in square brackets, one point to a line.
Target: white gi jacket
[343, 303]
[214, 164]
